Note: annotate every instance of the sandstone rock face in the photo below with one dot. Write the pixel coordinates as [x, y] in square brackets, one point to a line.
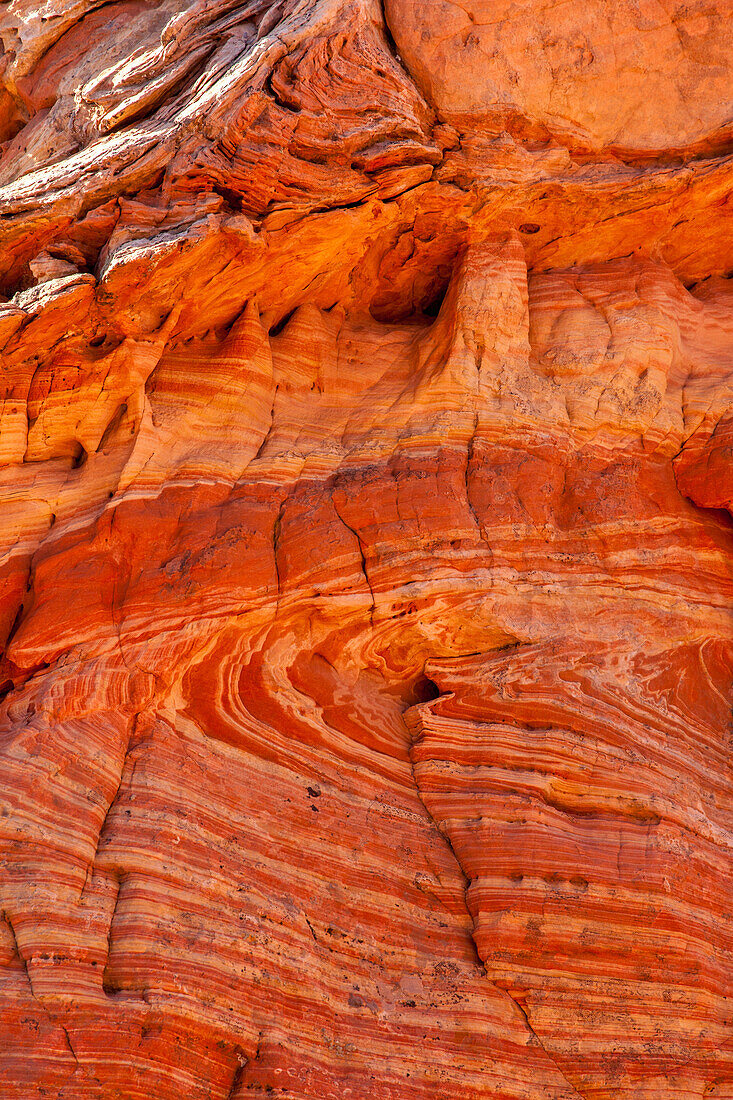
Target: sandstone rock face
[366, 448]
[636, 77]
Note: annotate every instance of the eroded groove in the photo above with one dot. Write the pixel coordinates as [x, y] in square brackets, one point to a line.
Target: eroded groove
[362, 557]
[465, 878]
[467, 476]
[21, 957]
[276, 530]
[65, 1030]
[126, 780]
[238, 1076]
[111, 987]
[537, 1039]
[38, 1000]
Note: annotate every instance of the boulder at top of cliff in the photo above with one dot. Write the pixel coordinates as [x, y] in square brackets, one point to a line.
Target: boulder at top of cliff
[636, 77]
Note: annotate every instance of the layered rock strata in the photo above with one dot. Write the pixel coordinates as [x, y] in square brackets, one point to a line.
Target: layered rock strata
[366, 447]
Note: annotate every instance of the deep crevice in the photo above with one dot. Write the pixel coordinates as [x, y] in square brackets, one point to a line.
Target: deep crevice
[278, 327]
[111, 987]
[518, 1005]
[466, 885]
[237, 1078]
[364, 569]
[425, 690]
[79, 456]
[465, 878]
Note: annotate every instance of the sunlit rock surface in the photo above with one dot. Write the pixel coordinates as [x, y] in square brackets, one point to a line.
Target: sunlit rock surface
[366, 448]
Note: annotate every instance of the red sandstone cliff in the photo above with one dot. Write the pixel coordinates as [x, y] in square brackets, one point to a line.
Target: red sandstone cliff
[366, 441]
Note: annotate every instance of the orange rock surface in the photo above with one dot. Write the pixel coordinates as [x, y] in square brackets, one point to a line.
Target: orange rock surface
[366, 462]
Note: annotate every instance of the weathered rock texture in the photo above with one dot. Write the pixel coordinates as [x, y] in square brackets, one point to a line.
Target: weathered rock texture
[366, 442]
